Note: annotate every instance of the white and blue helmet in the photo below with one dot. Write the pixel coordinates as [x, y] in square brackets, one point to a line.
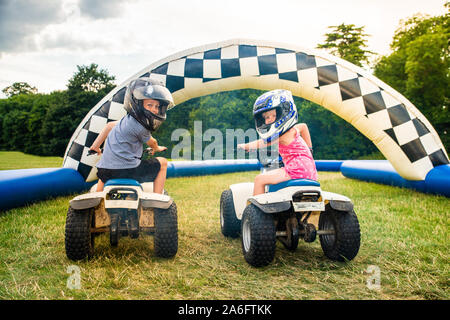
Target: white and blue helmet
[286, 118]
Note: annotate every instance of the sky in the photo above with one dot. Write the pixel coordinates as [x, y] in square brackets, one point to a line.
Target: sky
[43, 41]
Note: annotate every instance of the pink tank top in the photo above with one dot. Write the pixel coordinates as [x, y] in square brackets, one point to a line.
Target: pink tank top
[297, 159]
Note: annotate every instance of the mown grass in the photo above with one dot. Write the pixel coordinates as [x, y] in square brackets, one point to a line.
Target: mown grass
[404, 233]
[11, 160]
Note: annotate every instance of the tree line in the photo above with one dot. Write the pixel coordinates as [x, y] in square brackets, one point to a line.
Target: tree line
[418, 67]
[333, 137]
[42, 124]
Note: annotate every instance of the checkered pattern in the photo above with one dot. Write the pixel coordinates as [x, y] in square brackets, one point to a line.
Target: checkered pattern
[386, 112]
[340, 83]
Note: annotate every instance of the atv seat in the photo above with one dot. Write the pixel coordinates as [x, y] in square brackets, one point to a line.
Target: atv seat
[293, 183]
[123, 182]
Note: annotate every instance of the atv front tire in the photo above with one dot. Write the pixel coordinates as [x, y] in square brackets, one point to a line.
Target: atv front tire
[258, 236]
[166, 232]
[79, 241]
[344, 239]
[230, 225]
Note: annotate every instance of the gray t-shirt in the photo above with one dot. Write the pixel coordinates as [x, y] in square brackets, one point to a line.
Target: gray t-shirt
[123, 147]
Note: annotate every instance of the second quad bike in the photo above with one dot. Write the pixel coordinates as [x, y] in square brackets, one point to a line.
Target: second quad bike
[288, 211]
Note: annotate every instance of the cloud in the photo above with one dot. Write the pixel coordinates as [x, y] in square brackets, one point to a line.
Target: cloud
[25, 24]
[100, 9]
[72, 41]
[21, 20]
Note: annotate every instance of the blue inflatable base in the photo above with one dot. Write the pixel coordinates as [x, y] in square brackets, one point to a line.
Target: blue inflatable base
[437, 180]
[207, 167]
[328, 165]
[20, 187]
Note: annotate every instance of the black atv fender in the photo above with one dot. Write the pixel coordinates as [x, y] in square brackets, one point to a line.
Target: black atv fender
[272, 207]
[344, 206]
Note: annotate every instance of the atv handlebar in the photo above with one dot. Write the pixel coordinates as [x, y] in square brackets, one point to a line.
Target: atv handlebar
[146, 150]
[91, 152]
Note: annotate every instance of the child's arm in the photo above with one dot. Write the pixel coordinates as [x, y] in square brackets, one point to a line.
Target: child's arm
[102, 136]
[257, 144]
[304, 132]
[153, 143]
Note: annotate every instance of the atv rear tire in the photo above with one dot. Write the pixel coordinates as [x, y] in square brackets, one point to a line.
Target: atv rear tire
[258, 236]
[166, 232]
[79, 240]
[344, 243]
[230, 225]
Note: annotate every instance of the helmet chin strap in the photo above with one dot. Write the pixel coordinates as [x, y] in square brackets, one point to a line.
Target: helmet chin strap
[278, 135]
[147, 126]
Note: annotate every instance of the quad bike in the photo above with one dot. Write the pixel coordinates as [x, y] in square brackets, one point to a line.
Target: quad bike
[289, 211]
[125, 207]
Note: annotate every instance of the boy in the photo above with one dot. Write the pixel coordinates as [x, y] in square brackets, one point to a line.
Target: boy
[146, 102]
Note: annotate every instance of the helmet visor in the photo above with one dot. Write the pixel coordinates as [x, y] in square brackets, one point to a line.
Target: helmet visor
[155, 107]
[155, 92]
[265, 118]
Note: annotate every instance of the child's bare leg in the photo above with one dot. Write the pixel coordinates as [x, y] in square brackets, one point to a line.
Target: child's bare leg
[271, 177]
[100, 185]
[160, 180]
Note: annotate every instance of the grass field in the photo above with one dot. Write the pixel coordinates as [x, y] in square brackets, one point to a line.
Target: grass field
[404, 233]
[11, 160]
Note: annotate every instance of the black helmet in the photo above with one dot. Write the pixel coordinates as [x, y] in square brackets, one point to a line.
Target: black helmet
[146, 88]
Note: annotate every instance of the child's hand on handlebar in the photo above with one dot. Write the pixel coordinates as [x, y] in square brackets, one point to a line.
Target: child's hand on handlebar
[243, 146]
[158, 149]
[94, 150]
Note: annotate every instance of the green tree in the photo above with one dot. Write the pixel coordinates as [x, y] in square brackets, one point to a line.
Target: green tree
[84, 90]
[14, 113]
[92, 79]
[419, 67]
[332, 137]
[347, 42]
[42, 124]
[58, 125]
[19, 88]
[14, 130]
[34, 123]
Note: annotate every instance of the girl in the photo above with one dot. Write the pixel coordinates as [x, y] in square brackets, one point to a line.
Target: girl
[275, 120]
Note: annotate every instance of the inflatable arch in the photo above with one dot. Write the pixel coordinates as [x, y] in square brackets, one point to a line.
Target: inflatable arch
[389, 120]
